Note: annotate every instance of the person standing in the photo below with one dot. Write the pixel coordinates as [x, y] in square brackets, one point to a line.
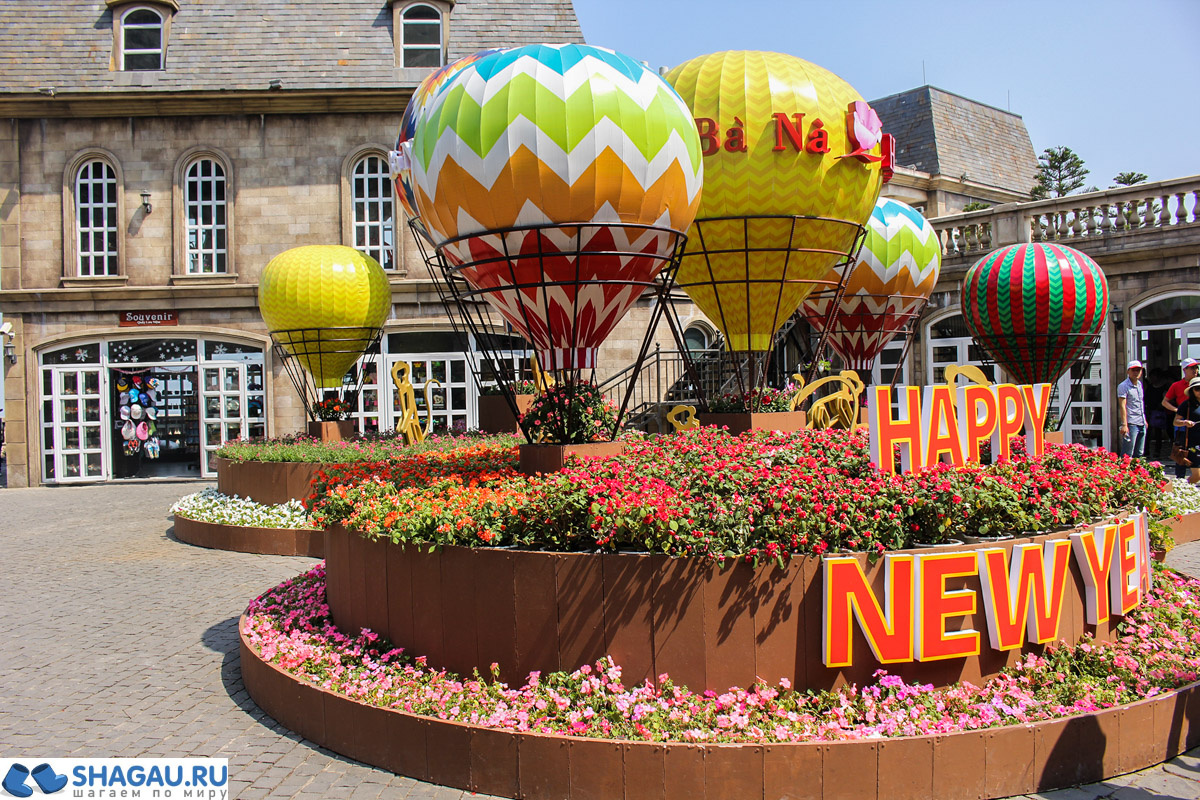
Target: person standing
[1188, 418]
[1174, 398]
[1131, 401]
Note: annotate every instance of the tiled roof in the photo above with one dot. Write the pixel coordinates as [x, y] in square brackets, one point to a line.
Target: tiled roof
[244, 44]
[941, 133]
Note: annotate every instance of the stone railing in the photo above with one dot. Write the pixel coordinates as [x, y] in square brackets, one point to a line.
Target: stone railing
[1075, 219]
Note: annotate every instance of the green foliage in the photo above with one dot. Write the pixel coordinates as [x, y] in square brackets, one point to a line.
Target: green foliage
[571, 413]
[301, 448]
[1060, 172]
[975, 205]
[1130, 178]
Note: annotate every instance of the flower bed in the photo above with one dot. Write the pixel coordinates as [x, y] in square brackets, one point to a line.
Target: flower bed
[708, 494]
[1155, 651]
[369, 448]
[211, 519]
[210, 505]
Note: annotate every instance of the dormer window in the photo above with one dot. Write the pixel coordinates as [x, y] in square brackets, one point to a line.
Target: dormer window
[140, 32]
[141, 40]
[421, 36]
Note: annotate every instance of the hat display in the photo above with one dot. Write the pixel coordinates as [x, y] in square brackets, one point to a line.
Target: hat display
[151, 412]
[122, 384]
[128, 431]
[135, 411]
[137, 400]
[124, 412]
[143, 431]
[1135, 364]
[123, 399]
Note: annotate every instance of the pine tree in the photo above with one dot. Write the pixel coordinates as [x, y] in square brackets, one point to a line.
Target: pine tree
[1060, 172]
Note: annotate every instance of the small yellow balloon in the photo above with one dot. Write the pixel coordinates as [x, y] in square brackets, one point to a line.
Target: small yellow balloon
[326, 287]
[780, 136]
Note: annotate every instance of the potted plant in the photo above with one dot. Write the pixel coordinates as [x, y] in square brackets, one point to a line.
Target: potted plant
[765, 408]
[331, 424]
[568, 418]
[495, 414]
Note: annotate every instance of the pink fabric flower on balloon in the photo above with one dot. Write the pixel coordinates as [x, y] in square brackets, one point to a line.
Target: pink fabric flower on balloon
[864, 128]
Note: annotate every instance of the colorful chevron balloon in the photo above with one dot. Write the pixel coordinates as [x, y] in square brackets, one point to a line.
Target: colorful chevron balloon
[557, 135]
[323, 303]
[778, 140]
[887, 286]
[401, 157]
[1036, 308]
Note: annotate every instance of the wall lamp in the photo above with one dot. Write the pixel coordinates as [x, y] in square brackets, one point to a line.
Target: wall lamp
[1118, 318]
[146, 202]
[10, 352]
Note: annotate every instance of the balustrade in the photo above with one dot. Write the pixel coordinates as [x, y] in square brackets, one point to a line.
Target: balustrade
[1128, 210]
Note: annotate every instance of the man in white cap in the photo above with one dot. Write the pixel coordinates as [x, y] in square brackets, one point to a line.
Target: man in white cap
[1175, 396]
[1131, 397]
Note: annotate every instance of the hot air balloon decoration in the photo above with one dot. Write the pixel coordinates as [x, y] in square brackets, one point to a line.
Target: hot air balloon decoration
[556, 182]
[324, 306]
[886, 286]
[400, 159]
[793, 162]
[1036, 309]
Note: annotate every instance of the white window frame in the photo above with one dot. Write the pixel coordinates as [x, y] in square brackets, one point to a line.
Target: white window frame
[405, 46]
[126, 26]
[195, 252]
[85, 230]
[383, 205]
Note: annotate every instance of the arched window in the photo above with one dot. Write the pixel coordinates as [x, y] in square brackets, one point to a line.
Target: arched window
[371, 197]
[421, 37]
[141, 40]
[205, 211]
[96, 231]
[697, 337]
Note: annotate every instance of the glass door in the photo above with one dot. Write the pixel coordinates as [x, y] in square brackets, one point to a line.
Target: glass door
[1189, 341]
[223, 409]
[1087, 386]
[949, 343]
[453, 402]
[76, 423]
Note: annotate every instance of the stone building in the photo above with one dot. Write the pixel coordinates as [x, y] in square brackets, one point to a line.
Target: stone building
[154, 155]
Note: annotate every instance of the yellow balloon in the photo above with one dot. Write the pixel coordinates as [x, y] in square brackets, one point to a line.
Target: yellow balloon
[781, 136]
[325, 287]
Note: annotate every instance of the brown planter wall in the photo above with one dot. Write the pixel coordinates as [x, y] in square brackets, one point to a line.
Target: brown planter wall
[496, 417]
[785, 421]
[535, 458]
[268, 482]
[708, 628]
[242, 539]
[996, 762]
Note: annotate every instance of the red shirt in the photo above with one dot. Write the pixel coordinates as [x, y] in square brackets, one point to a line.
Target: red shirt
[1177, 393]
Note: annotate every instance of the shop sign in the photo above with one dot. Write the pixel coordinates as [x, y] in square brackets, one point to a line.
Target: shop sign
[949, 423]
[1022, 594]
[144, 319]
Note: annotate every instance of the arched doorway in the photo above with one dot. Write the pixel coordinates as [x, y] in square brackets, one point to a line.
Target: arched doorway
[1164, 330]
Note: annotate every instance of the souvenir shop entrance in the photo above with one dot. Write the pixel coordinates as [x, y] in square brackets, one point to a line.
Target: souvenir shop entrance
[146, 407]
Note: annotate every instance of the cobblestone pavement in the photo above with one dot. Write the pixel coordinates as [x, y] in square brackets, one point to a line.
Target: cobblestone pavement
[118, 640]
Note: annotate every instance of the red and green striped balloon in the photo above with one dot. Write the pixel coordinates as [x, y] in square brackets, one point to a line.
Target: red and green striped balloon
[1036, 308]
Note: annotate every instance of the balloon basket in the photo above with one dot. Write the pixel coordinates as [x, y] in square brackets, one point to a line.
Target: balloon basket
[321, 351]
[750, 274]
[858, 337]
[563, 289]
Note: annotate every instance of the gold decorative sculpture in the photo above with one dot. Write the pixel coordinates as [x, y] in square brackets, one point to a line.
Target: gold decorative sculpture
[969, 371]
[838, 409]
[541, 380]
[409, 424]
[683, 418]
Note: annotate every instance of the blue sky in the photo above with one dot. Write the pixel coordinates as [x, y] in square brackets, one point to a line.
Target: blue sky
[1118, 82]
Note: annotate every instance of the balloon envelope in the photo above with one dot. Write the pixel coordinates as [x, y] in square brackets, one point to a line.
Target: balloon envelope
[401, 157]
[760, 95]
[557, 135]
[888, 284]
[1037, 308]
[307, 294]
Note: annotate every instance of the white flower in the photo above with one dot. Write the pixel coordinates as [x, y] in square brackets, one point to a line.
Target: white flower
[209, 505]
